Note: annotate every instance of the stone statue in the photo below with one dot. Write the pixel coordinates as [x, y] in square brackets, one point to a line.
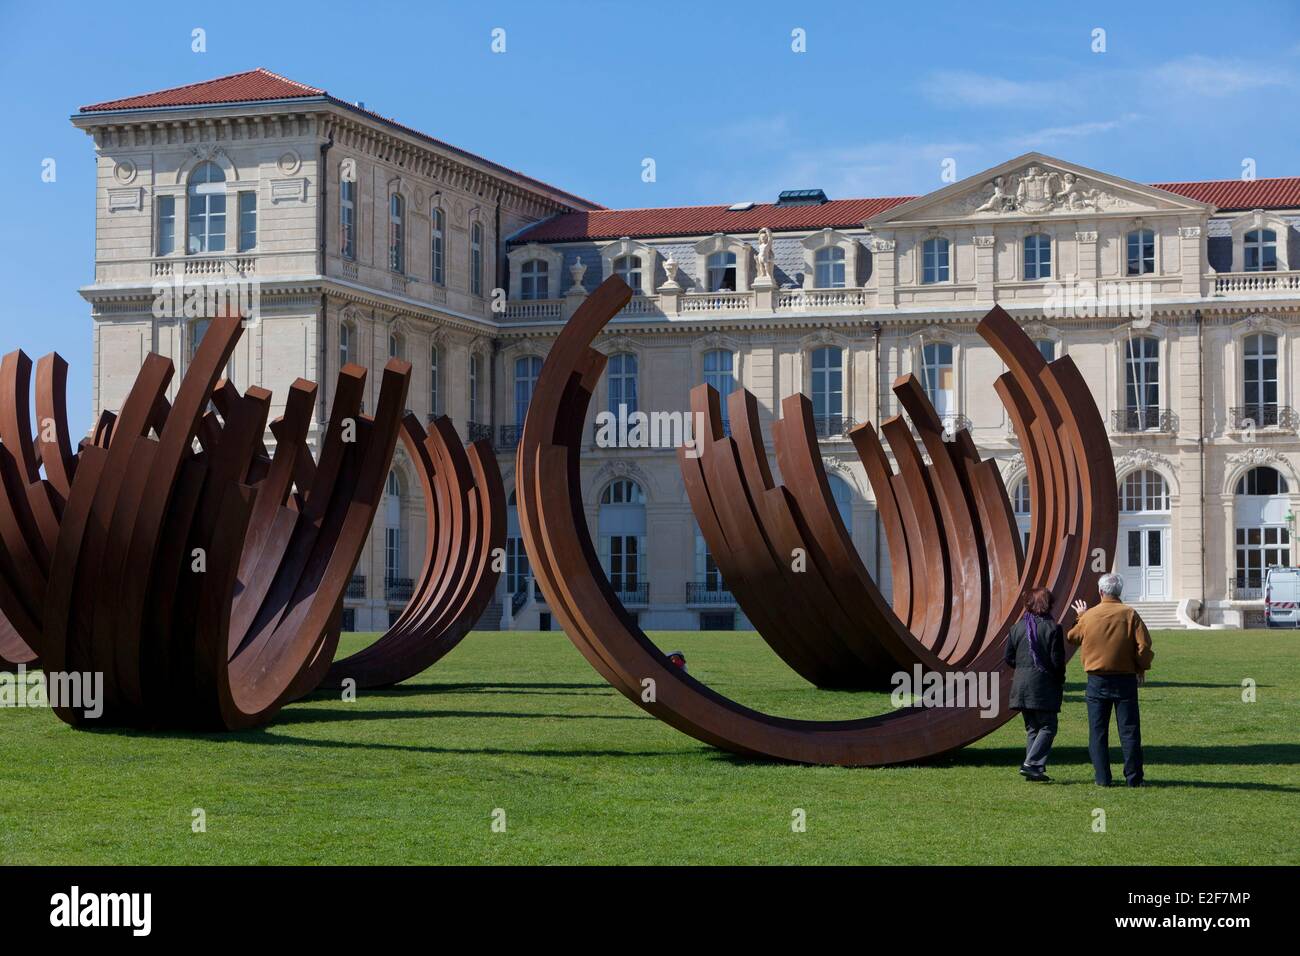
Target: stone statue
[765, 258]
[1000, 201]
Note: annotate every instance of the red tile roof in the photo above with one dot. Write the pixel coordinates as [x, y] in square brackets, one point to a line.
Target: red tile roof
[1235, 194]
[261, 85]
[248, 87]
[1228, 195]
[706, 220]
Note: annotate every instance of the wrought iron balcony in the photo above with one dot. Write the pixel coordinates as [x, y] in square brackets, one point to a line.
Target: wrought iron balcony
[1144, 419]
[832, 426]
[634, 595]
[1281, 417]
[398, 589]
[709, 592]
[1246, 587]
[356, 586]
[509, 437]
[477, 431]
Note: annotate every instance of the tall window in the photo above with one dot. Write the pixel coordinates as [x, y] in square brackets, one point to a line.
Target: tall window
[1260, 379]
[393, 532]
[198, 329]
[395, 349]
[475, 367]
[476, 259]
[435, 398]
[1038, 256]
[621, 523]
[843, 496]
[345, 344]
[526, 371]
[437, 247]
[828, 263]
[1047, 349]
[828, 389]
[534, 281]
[247, 221]
[1144, 491]
[1141, 252]
[707, 575]
[720, 372]
[628, 268]
[1021, 501]
[396, 233]
[938, 379]
[722, 272]
[207, 209]
[621, 374]
[1263, 537]
[1261, 250]
[166, 225]
[1142, 383]
[934, 260]
[348, 218]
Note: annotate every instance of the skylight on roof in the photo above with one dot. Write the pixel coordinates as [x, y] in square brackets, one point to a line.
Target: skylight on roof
[741, 206]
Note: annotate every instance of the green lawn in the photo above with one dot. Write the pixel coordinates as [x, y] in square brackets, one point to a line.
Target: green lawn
[521, 722]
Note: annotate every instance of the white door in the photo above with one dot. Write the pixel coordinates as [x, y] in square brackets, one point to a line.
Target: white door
[1146, 556]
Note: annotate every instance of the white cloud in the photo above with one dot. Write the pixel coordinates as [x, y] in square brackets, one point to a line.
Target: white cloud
[1210, 76]
[961, 88]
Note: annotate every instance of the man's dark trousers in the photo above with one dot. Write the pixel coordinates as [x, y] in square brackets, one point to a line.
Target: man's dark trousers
[1120, 692]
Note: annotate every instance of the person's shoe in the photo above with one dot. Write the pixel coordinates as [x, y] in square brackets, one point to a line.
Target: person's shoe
[1038, 776]
[1137, 783]
[1025, 771]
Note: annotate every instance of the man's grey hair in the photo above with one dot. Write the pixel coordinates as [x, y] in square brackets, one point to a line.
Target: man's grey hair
[1111, 585]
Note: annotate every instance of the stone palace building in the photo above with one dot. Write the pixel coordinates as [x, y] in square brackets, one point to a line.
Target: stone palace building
[358, 238]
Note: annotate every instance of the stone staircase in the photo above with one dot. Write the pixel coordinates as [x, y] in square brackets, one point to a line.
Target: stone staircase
[491, 619]
[1158, 615]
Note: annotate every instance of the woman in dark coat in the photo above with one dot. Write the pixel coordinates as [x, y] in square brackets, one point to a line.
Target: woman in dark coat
[1036, 649]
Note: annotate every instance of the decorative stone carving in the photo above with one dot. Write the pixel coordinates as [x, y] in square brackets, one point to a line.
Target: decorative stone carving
[1142, 458]
[1189, 232]
[1085, 236]
[289, 162]
[577, 269]
[124, 172]
[670, 270]
[985, 242]
[1039, 190]
[882, 245]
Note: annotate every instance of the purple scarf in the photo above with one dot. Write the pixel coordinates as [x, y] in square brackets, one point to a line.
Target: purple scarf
[1031, 633]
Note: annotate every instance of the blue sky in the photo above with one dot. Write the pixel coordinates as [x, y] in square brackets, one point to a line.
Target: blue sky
[712, 92]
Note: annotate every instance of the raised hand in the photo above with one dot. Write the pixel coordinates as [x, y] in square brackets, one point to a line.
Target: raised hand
[1079, 606]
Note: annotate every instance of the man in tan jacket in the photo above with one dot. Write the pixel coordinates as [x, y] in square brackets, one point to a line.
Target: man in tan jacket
[1116, 650]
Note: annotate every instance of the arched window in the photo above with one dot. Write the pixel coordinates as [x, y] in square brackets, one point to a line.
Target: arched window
[1038, 256]
[346, 335]
[1141, 252]
[938, 379]
[437, 246]
[843, 495]
[527, 369]
[934, 260]
[722, 272]
[207, 209]
[621, 528]
[347, 217]
[435, 395]
[720, 372]
[1021, 501]
[621, 375]
[395, 345]
[1262, 481]
[1260, 247]
[628, 268]
[828, 263]
[534, 281]
[476, 259]
[827, 381]
[1263, 534]
[1259, 379]
[1141, 383]
[396, 233]
[1144, 490]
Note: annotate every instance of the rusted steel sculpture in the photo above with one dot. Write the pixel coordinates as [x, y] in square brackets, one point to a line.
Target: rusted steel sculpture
[465, 531]
[953, 546]
[199, 574]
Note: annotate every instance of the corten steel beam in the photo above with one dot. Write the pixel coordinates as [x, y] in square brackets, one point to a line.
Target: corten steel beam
[567, 568]
[200, 574]
[465, 508]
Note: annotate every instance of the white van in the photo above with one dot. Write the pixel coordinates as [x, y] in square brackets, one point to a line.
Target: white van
[1282, 597]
